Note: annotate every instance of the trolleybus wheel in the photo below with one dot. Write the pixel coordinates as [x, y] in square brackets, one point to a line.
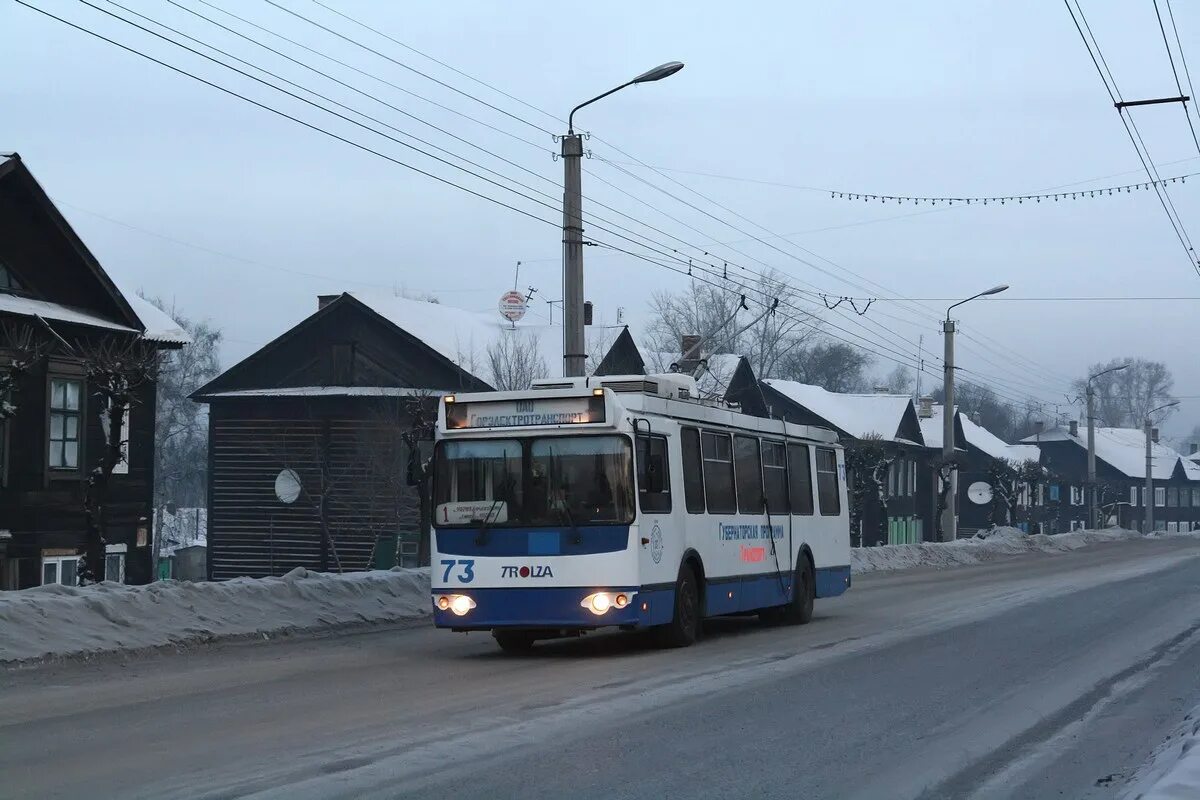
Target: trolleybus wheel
[800, 610]
[514, 641]
[684, 626]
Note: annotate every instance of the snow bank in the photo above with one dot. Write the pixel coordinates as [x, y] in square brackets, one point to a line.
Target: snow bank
[1173, 772]
[999, 543]
[56, 620]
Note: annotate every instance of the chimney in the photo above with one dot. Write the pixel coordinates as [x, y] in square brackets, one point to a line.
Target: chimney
[325, 299]
[1154, 435]
[1193, 448]
[1039, 426]
[925, 409]
[975, 417]
[688, 343]
[882, 390]
[1073, 427]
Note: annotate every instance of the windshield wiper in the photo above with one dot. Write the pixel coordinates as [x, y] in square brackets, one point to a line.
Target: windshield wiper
[481, 534]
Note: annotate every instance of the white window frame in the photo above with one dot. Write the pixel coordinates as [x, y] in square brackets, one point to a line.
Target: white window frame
[117, 551]
[65, 412]
[1160, 497]
[1076, 495]
[58, 562]
[1133, 495]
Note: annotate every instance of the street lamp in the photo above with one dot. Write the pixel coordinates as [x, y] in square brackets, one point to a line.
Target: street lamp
[572, 152]
[1149, 467]
[949, 517]
[1091, 462]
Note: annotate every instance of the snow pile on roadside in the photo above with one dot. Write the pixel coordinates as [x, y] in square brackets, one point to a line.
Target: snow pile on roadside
[999, 543]
[56, 620]
[1173, 772]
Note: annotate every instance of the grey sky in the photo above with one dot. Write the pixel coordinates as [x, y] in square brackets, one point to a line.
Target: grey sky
[930, 99]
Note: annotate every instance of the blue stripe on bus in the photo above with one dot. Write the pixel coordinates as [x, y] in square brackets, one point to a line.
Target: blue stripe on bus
[499, 541]
[559, 607]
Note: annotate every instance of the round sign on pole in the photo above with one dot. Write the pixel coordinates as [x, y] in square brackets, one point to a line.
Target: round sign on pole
[513, 306]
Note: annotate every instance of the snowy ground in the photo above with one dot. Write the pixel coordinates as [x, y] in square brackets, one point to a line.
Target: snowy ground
[1001, 543]
[1173, 772]
[55, 620]
[66, 621]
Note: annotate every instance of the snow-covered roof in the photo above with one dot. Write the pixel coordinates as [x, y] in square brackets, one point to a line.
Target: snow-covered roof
[29, 307]
[931, 428]
[462, 336]
[856, 414]
[159, 325]
[1194, 456]
[994, 446]
[1124, 449]
[327, 391]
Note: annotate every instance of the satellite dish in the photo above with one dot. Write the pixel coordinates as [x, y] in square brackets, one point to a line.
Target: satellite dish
[513, 306]
[979, 493]
[287, 486]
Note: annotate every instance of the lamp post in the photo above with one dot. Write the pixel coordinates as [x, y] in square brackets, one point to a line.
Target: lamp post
[1150, 465]
[572, 152]
[1090, 391]
[949, 516]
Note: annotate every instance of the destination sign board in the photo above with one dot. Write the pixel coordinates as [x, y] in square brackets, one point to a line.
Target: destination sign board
[525, 413]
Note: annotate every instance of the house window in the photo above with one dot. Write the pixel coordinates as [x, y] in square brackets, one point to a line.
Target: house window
[1172, 497]
[60, 569]
[654, 478]
[693, 476]
[827, 482]
[912, 478]
[717, 452]
[893, 471]
[1054, 492]
[1076, 495]
[749, 474]
[1172, 527]
[775, 481]
[1160, 496]
[1041, 494]
[800, 479]
[65, 418]
[1196, 497]
[1133, 495]
[114, 562]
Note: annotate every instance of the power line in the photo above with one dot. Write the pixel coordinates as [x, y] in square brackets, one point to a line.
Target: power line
[1182, 57]
[1179, 86]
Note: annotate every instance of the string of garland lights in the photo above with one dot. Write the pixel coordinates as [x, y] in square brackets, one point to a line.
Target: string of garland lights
[1012, 198]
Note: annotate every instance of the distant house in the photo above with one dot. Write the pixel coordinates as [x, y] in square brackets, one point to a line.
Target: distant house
[1120, 476]
[57, 302]
[892, 419]
[977, 451]
[309, 451]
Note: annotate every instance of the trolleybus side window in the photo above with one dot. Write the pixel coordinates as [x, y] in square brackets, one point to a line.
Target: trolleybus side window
[717, 450]
[749, 474]
[653, 476]
[800, 479]
[693, 475]
[775, 477]
[827, 482]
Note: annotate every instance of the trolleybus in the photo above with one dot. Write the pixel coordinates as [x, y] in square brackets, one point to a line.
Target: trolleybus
[627, 501]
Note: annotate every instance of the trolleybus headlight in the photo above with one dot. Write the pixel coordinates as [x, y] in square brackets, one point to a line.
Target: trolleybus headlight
[600, 602]
[460, 604]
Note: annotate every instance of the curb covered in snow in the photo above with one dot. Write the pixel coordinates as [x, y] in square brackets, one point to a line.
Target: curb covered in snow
[1173, 771]
[57, 621]
[999, 543]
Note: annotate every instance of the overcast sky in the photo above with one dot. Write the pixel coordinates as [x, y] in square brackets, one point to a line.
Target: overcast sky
[935, 98]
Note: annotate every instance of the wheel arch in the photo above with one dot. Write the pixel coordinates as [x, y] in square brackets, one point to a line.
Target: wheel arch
[692, 558]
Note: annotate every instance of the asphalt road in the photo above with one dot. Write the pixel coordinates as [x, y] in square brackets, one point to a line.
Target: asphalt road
[1040, 676]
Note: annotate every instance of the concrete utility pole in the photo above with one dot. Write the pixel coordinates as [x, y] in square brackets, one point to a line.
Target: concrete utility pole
[950, 515]
[574, 356]
[1150, 465]
[1093, 502]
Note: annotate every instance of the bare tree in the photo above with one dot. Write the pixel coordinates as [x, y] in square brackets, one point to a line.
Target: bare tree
[1124, 398]
[713, 311]
[515, 361]
[830, 364]
[117, 369]
[900, 380]
[25, 348]
[181, 424]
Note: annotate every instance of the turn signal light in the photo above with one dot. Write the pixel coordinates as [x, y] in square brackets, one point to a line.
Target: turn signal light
[600, 602]
[460, 604]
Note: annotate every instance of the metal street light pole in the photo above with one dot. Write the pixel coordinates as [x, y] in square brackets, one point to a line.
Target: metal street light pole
[950, 515]
[1093, 523]
[1149, 467]
[572, 152]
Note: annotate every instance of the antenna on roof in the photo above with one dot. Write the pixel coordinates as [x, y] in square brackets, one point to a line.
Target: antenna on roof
[517, 276]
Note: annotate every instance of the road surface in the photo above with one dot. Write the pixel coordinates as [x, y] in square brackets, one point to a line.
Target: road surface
[1039, 676]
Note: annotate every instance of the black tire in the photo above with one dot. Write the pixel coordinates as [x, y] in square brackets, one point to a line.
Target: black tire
[514, 641]
[684, 627]
[800, 610]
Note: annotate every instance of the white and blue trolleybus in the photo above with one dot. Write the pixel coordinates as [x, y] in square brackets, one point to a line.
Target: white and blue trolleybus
[627, 501]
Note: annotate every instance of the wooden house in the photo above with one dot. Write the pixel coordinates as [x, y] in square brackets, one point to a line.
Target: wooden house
[56, 303]
[311, 438]
[1120, 478]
